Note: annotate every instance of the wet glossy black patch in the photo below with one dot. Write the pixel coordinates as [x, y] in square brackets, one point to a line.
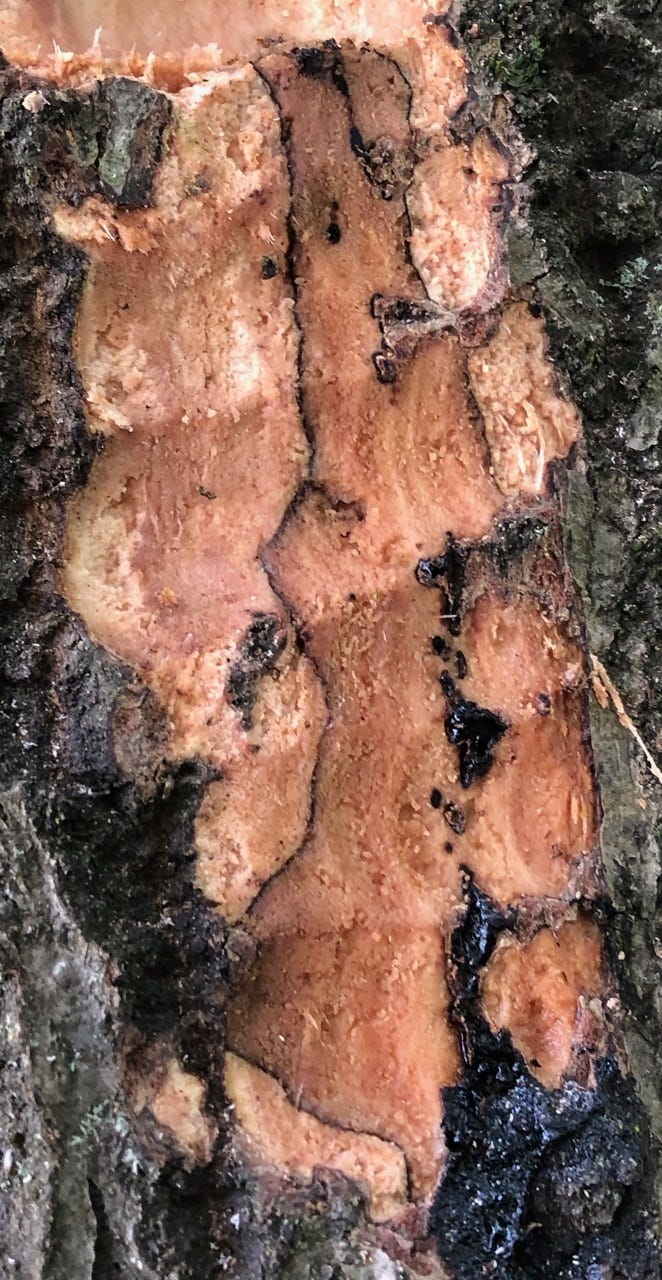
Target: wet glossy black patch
[473, 942]
[441, 647]
[461, 665]
[456, 818]
[539, 1185]
[474, 730]
[431, 572]
[448, 571]
[269, 267]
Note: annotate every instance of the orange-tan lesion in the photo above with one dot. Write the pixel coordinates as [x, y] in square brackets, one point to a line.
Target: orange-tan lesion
[276, 1132]
[542, 991]
[347, 997]
[211, 505]
[533, 818]
[188, 359]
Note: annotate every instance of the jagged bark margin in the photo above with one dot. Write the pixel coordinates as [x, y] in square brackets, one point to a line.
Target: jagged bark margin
[582, 85]
[83, 1197]
[101, 924]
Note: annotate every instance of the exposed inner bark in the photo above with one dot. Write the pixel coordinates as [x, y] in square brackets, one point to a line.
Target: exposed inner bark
[161, 559]
[178, 1106]
[317, 400]
[280, 1134]
[538, 990]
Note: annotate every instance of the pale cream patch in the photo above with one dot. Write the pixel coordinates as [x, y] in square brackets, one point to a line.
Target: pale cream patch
[279, 1134]
[453, 200]
[178, 1106]
[527, 422]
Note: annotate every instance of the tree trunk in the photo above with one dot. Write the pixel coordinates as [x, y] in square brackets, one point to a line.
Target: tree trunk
[330, 574]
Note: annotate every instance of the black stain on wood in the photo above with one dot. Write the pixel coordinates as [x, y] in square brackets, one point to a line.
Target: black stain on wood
[539, 1184]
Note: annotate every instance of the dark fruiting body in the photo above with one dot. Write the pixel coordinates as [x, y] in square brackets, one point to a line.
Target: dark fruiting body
[260, 650]
[475, 731]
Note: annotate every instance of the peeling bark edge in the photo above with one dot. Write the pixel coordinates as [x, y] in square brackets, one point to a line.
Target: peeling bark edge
[104, 1206]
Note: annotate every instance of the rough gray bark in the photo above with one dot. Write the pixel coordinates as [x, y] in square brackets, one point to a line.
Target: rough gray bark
[97, 899]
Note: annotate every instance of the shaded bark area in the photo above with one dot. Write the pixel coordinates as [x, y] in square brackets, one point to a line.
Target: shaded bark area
[87, 949]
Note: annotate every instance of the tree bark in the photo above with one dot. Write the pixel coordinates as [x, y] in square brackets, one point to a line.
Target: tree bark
[162, 1113]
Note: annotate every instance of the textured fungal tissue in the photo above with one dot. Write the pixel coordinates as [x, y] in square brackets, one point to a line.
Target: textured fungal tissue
[323, 528]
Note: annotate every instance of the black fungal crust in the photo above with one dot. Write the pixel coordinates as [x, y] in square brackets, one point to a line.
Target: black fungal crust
[514, 537]
[323, 60]
[511, 549]
[261, 648]
[523, 556]
[449, 572]
[475, 731]
[539, 1185]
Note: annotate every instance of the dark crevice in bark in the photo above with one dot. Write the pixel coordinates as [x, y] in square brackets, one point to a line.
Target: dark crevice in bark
[104, 1266]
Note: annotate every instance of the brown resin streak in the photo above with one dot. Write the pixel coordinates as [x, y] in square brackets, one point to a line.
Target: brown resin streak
[230, 503]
